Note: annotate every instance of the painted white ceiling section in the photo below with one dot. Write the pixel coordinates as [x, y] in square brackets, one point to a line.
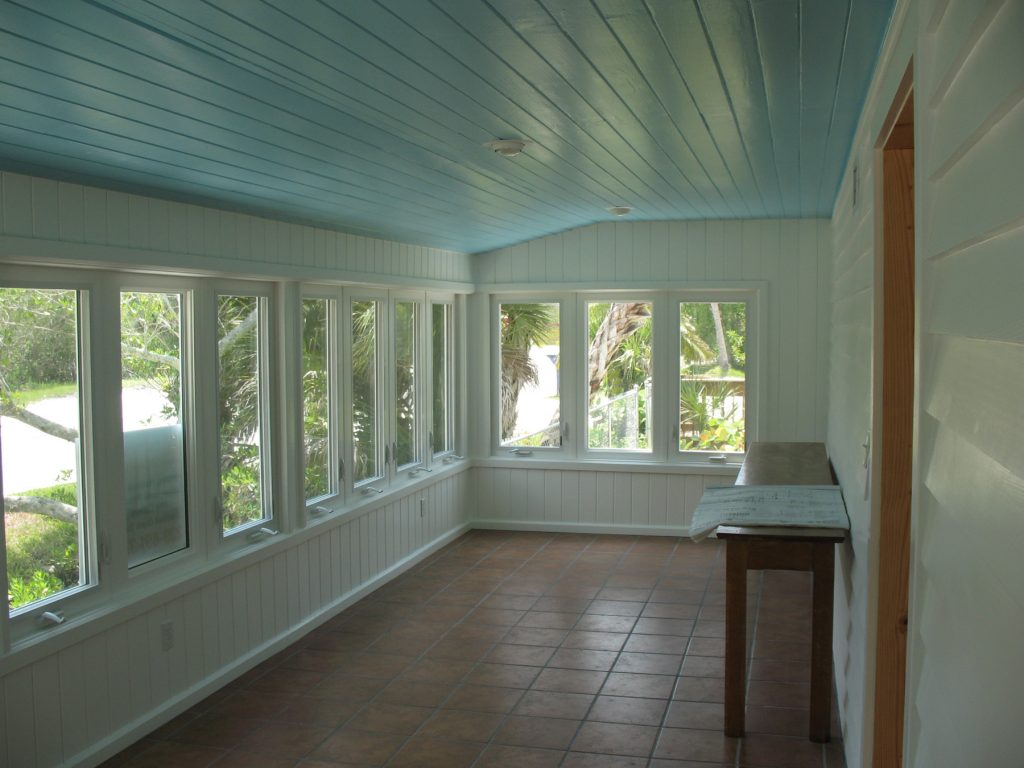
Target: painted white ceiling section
[371, 117]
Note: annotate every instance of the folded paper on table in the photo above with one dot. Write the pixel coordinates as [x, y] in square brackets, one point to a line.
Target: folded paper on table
[798, 506]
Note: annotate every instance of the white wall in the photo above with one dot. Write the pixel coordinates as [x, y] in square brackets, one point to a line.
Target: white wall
[44, 221]
[966, 613]
[967, 610]
[850, 399]
[791, 258]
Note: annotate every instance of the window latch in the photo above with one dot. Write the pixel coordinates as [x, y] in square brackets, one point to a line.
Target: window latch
[370, 489]
[341, 470]
[50, 618]
[521, 452]
[262, 533]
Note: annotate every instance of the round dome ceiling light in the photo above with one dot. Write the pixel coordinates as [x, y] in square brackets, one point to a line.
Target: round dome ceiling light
[506, 147]
[619, 210]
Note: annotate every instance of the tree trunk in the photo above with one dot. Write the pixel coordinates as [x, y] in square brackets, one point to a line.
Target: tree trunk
[52, 428]
[37, 505]
[620, 322]
[723, 348]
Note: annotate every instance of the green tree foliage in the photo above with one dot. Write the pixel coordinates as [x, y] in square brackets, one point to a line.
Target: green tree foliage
[523, 326]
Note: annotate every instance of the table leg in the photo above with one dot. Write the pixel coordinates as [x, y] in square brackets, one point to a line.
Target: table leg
[735, 635]
[821, 643]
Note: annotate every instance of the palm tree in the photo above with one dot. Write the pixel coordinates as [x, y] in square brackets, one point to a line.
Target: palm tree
[523, 326]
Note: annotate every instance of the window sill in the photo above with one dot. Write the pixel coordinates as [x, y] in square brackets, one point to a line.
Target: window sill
[695, 467]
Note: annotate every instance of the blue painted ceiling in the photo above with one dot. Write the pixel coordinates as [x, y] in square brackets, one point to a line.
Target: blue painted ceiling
[371, 116]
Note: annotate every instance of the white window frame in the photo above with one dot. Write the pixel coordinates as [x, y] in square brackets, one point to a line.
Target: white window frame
[665, 408]
[337, 465]
[420, 427]
[268, 525]
[444, 300]
[377, 483]
[568, 333]
[98, 375]
[187, 289]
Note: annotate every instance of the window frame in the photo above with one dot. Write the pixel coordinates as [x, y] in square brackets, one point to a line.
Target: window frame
[187, 289]
[420, 384]
[567, 321]
[380, 481]
[336, 416]
[269, 524]
[665, 381]
[448, 301]
[96, 374]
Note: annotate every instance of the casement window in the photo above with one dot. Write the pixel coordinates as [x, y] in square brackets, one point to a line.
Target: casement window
[45, 446]
[243, 410]
[407, 445]
[365, 362]
[529, 376]
[155, 422]
[322, 467]
[649, 376]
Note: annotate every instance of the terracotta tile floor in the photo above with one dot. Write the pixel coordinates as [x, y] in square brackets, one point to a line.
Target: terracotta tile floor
[522, 649]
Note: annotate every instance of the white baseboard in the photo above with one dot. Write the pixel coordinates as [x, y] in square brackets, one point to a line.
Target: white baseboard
[563, 527]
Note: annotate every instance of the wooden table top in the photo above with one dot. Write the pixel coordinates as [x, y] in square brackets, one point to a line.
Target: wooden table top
[786, 464]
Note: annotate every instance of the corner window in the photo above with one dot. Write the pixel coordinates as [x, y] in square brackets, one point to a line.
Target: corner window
[712, 376]
[42, 448]
[529, 381]
[619, 375]
[153, 424]
[242, 410]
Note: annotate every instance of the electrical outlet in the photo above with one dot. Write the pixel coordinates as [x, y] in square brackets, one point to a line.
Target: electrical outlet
[167, 635]
[423, 507]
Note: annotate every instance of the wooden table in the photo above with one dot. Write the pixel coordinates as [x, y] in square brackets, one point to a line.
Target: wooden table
[788, 549]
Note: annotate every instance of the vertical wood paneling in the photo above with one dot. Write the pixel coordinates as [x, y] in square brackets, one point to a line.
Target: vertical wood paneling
[20, 719]
[47, 712]
[96, 689]
[73, 213]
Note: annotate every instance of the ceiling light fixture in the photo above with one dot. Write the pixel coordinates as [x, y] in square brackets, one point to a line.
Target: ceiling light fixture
[506, 147]
[619, 210]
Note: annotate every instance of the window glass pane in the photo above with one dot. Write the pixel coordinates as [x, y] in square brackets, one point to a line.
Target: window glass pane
[443, 438]
[40, 421]
[153, 427]
[316, 416]
[240, 403]
[529, 374]
[406, 449]
[712, 376]
[365, 422]
[620, 357]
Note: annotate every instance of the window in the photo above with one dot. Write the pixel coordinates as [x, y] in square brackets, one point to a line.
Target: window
[365, 362]
[153, 400]
[406, 446]
[712, 376]
[619, 375]
[442, 433]
[650, 376]
[529, 391]
[318, 417]
[242, 404]
[42, 449]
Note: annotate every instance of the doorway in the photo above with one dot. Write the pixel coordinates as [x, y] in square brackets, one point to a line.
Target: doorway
[894, 414]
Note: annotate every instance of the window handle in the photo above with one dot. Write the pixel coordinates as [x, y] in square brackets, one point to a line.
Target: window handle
[387, 449]
[319, 511]
[394, 453]
[370, 489]
[521, 452]
[565, 431]
[341, 470]
[50, 618]
[262, 533]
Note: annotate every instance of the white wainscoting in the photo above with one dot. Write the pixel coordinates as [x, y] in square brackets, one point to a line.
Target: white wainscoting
[82, 703]
[42, 220]
[589, 500]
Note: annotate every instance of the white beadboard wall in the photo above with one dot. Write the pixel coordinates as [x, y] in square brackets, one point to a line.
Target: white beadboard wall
[107, 687]
[850, 399]
[790, 257]
[43, 221]
[967, 609]
[605, 501]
